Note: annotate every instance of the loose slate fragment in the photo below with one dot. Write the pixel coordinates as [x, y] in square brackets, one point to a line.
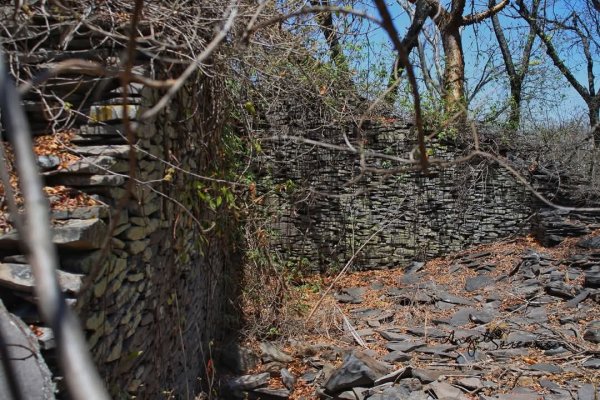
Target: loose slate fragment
[248, 382]
[358, 369]
[478, 282]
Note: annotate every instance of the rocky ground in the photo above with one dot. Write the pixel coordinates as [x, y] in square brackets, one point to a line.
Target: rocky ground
[512, 320]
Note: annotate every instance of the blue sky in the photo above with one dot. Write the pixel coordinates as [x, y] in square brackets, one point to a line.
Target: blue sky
[563, 102]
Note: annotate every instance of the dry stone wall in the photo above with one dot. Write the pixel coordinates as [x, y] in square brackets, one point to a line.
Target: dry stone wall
[153, 273]
[326, 210]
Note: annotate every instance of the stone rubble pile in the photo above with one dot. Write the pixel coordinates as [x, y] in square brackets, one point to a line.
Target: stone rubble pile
[530, 333]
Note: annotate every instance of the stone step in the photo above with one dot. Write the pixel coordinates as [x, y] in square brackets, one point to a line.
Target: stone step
[76, 234]
[20, 277]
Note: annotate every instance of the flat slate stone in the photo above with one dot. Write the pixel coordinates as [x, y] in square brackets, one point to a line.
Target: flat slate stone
[439, 350]
[444, 390]
[449, 298]
[248, 382]
[99, 211]
[544, 367]
[587, 392]
[592, 332]
[395, 336]
[478, 282]
[358, 369]
[20, 277]
[590, 243]
[405, 346]
[273, 352]
[461, 317]
[397, 356]
[269, 394]
[81, 180]
[76, 234]
[117, 151]
[431, 375]
[593, 363]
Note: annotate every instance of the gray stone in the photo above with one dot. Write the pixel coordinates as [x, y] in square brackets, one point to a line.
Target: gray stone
[20, 277]
[587, 392]
[248, 382]
[28, 365]
[394, 376]
[117, 151]
[48, 162]
[593, 363]
[287, 378]
[467, 357]
[271, 352]
[470, 383]
[394, 336]
[397, 356]
[449, 298]
[85, 180]
[269, 394]
[390, 393]
[358, 369]
[544, 367]
[439, 350]
[98, 211]
[431, 375]
[445, 390]
[104, 129]
[76, 234]
[560, 289]
[351, 295]
[522, 339]
[590, 243]
[592, 278]
[592, 332]
[406, 346]
[537, 314]
[477, 282]
[462, 317]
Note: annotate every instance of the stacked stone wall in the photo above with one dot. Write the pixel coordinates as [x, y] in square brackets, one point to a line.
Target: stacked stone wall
[331, 206]
[152, 273]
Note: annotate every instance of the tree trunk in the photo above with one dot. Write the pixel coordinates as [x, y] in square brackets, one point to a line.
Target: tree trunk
[454, 75]
[325, 20]
[514, 117]
[594, 108]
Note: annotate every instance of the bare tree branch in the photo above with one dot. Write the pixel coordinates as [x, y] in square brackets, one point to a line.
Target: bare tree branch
[475, 18]
[388, 25]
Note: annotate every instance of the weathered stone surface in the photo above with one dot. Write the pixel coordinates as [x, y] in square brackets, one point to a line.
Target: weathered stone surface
[445, 390]
[117, 151]
[98, 211]
[85, 234]
[48, 162]
[478, 282]
[405, 346]
[592, 332]
[273, 352]
[20, 277]
[80, 180]
[358, 369]
[590, 243]
[34, 378]
[248, 382]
